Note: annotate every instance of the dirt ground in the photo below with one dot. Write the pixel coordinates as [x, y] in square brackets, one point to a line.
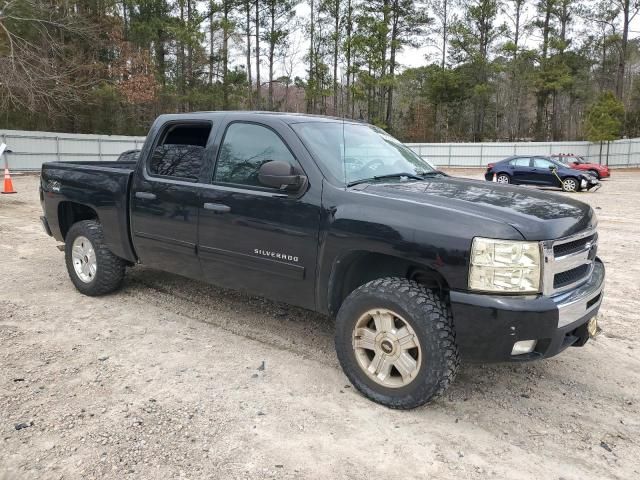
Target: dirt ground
[164, 379]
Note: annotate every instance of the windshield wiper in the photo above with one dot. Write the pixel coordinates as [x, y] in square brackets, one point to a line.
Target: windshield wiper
[433, 173]
[412, 176]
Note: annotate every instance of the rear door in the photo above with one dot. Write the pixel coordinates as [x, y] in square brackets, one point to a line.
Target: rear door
[165, 198]
[520, 169]
[254, 238]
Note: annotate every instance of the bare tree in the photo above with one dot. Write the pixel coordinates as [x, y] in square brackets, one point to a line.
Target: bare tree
[37, 71]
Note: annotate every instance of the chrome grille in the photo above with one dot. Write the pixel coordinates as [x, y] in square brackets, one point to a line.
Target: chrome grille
[563, 279]
[569, 261]
[572, 247]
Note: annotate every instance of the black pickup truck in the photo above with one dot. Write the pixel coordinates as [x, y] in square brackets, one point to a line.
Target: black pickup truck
[418, 268]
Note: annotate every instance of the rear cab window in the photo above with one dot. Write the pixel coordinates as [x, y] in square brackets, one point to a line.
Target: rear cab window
[180, 154]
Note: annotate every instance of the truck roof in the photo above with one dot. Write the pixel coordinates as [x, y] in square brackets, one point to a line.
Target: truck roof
[257, 115]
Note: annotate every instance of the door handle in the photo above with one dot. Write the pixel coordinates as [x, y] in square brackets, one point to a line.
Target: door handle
[217, 207]
[146, 195]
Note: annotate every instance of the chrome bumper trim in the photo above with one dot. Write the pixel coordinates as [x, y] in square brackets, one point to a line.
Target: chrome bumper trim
[574, 305]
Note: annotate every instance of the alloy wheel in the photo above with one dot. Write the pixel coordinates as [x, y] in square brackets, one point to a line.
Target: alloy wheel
[84, 259]
[387, 348]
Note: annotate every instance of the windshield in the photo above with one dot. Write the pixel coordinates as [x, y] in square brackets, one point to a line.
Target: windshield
[354, 152]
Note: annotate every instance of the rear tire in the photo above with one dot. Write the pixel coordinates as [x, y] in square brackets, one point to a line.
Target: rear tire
[503, 178]
[396, 343]
[93, 268]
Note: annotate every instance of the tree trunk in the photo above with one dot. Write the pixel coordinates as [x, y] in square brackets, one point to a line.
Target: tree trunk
[445, 26]
[541, 100]
[125, 19]
[383, 46]
[555, 119]
[211, 55]
[336, 42]
[181, 58]
[247, 6]
[556, 125]
[189, 48]
[225, 55]
[600, 155]
[348, 55]
[189, 58]
[258, 85]
[160, 57]
[515, 100]
[392, 66]
[623, 50]
[311, 77]
[272, 46]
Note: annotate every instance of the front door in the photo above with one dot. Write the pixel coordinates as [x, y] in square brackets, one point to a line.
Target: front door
[542, 173]
[254, 238]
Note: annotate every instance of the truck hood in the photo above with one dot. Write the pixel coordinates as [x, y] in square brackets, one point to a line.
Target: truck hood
[535, 214]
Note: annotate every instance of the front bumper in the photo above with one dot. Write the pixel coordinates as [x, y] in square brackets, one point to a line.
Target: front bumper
[487, 326]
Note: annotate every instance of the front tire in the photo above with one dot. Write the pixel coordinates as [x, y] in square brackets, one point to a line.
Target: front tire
[395, 342]
[93, 269]
[570, 184]
[595, 173]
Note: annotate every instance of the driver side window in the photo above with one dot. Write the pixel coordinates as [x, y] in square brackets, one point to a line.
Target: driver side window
[245, 148]
[542, 163]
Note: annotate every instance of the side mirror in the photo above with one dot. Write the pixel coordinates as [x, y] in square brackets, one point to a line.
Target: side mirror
[552, 168]
[281, 175]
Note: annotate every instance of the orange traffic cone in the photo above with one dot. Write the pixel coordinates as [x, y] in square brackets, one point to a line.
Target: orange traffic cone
[8, 184]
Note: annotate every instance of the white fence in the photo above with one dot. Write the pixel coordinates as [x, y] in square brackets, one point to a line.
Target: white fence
[621, 153]
[31, 149]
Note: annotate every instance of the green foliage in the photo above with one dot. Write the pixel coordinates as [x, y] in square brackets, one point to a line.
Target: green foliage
[111, 66]
[604, 119]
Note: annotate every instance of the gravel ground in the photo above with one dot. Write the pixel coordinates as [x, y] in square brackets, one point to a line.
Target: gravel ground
[171, 378]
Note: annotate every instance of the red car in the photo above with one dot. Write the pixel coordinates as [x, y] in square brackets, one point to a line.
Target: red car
[579, 163]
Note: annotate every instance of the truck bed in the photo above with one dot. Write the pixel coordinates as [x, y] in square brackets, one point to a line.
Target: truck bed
[102, 186]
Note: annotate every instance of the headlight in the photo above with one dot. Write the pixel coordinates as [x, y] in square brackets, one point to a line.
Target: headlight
[509, 266]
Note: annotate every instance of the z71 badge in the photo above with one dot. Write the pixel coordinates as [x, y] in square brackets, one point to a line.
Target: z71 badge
[276, 255]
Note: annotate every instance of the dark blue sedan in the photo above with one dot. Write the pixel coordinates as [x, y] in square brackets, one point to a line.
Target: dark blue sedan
[539, 170]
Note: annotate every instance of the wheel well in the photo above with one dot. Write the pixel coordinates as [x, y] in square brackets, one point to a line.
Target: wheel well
[71, 212]
[362, 267]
